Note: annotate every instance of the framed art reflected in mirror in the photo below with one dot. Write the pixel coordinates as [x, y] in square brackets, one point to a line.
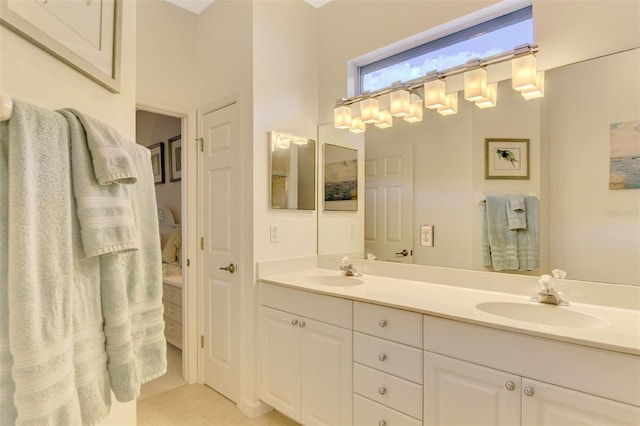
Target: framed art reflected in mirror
[175, 158]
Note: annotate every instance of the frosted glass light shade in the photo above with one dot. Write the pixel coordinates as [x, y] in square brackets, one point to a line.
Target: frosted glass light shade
[416, 109]
[342, 117]
[450, 104]
[491, 99]
[523, 72]
[536, 92]
[299, 141]
[399, 103]
[385, 120]
[357, 126]
[434, 94]
[475, 84]
[369, 110]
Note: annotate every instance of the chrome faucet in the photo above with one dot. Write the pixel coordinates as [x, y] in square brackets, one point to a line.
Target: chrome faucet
[547, 293]
[348, 270]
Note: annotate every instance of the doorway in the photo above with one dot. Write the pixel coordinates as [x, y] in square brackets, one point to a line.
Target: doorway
[162, 133]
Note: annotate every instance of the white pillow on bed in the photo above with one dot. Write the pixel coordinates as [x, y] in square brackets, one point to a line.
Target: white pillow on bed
[172, 248]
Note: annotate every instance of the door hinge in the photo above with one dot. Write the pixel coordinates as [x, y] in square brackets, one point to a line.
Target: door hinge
[201, 144]
[201, 243]
[202, 341]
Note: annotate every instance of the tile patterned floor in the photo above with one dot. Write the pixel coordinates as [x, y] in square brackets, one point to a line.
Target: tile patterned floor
[199, 405]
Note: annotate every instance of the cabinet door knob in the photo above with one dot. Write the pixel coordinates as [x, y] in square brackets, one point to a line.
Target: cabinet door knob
[382, 357]
[294, 322]
[382, 423]
[510, 385]
[382, 323]
[382, 390]
[302, 324]
[529, 391]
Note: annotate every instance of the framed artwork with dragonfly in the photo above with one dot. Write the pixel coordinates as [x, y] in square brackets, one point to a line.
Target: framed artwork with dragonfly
[506, 159]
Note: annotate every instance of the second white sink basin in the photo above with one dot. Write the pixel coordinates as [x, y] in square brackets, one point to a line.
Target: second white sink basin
[541, 313]
[333, 280]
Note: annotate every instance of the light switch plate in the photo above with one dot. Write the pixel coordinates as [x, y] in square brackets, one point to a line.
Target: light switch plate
[273, 230]
[426, 235]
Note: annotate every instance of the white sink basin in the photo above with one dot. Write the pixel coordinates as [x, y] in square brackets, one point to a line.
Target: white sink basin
[333, 280]
[541, 313]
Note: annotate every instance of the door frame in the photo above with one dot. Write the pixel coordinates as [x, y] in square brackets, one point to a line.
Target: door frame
[189, 233]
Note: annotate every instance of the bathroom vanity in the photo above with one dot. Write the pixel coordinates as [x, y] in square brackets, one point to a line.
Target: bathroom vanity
[413, 348]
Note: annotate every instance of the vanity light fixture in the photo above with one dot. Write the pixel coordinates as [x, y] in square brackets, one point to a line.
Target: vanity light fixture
[416, 109]
[299, 141]
[523, 72]
[538, 91]
[475, 85]
[492, 97]
[434, 94]
[385, 121]
[399, 102]
[357, 126]
[450, 104]
[401, 99]
[369, 110]
[342, 117]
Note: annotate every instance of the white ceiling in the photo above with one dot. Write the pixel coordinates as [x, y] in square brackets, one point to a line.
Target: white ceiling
[197, 6]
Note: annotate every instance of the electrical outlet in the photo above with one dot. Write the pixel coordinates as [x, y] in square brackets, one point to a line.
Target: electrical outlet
[426, 235]
[352, 231]
[273, 229]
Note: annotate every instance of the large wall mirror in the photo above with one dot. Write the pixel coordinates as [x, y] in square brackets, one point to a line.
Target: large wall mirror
[293, 172]
[586, 228]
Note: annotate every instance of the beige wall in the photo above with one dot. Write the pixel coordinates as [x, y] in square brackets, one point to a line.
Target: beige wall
[34, 76]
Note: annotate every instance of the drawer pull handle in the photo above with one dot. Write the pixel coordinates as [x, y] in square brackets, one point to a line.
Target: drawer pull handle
[294, 322]
[510, 385]
[529, 391]
[382, 390]
[382, 423]
[302, 324]
[382, 323]
[382, 357]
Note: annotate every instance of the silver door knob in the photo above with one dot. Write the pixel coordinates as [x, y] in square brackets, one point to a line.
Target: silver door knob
[529, 391]
[301, 324]
[231, 268]
[382, 323]
[382, 423]
[404, 252]
[382, 390]
[510, 385]
[294, 322]
[382, 357]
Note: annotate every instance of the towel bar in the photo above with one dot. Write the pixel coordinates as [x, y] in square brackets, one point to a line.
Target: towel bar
[481, 197]
[6, 107]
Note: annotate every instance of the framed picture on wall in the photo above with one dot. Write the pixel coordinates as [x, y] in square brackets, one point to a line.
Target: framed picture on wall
[175, 158]
[157, 161]
[340, 178]
[85, 35]
[506, 159]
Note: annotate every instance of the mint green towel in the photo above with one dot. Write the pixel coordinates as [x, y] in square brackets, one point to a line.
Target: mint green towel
[529, 238]
[500, 244]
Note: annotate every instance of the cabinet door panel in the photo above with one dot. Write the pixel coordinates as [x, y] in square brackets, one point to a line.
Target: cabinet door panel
[553, 405]
[326, 374]
[280, 361]
[461, 393]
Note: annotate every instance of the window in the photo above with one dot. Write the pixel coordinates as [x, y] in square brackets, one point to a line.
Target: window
[486, 39]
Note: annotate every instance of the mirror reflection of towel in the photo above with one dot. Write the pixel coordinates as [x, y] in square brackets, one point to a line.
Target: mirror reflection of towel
[516, 212]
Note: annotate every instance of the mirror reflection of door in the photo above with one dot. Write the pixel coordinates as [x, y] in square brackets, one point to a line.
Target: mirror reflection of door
[293, 172]
[388, 202]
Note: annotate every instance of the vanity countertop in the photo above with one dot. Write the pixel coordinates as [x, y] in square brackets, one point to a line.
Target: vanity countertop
[614, 328]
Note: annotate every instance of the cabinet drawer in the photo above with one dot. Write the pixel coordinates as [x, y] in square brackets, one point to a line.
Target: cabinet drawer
[369, 413]
[389, 390]
[395, 358]
[320, 307]
[173, 332]
[172, 294]
[389, 323]
[173, 312]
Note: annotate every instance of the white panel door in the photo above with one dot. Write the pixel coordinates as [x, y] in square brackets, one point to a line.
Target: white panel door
[326, 374]
[220, 224]
[461, 393]
[547, 405]
[280, 361]
[388, 202]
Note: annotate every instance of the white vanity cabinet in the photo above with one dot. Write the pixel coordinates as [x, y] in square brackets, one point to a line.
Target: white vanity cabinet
[464, 392]
[306, 355]
[387, 368]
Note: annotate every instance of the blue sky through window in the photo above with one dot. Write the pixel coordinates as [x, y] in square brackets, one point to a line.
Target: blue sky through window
[486, 39]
